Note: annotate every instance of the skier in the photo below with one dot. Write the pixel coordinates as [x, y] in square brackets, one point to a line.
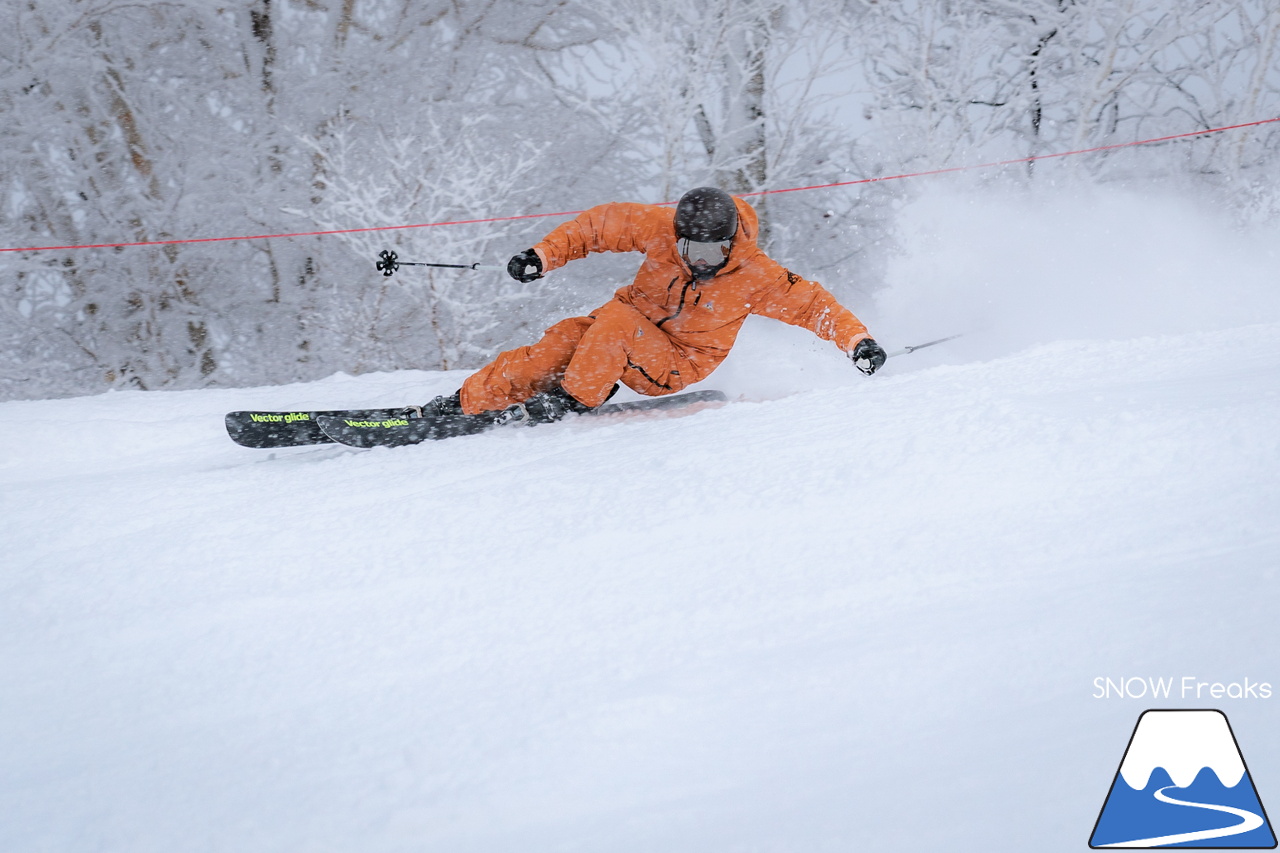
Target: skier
[702, 275]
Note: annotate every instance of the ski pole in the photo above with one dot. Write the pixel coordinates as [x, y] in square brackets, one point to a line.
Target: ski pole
[906, 350]
[388, 262]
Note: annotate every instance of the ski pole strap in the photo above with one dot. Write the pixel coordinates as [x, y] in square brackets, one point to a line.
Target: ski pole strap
[906, 350]
[388, 262]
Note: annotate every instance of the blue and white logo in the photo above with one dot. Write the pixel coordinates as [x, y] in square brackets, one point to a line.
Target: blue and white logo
[1183, 783]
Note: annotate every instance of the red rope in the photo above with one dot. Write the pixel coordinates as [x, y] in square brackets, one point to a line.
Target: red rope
[1020, 160]
[576, 212]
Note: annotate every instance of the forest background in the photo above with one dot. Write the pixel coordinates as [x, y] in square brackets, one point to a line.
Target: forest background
[135, 122]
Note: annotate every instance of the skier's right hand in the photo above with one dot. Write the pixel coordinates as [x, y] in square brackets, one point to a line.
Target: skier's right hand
[868, 356]
[525, 267]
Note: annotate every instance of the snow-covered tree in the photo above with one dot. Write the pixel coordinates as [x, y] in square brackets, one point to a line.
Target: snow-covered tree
[185, 120]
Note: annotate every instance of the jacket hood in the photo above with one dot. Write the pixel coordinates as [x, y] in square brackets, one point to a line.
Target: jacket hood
[748, 223]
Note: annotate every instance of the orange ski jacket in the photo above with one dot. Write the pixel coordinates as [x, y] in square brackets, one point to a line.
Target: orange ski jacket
[702, 318]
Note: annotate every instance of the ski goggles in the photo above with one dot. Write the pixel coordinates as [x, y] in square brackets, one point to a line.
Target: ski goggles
[704, 254]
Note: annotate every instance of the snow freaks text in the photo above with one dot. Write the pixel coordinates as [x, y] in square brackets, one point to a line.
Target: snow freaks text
[1186, 687]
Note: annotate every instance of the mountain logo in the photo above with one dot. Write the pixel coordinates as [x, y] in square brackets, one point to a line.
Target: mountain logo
[1183, 783]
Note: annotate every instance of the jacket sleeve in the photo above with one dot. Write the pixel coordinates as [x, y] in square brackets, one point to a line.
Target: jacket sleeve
[807, 304]
[615, 227]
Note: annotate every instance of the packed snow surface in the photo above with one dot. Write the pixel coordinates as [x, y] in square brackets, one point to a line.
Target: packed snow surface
[836, 613]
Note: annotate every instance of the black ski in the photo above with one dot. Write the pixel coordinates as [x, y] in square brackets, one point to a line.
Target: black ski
[401, 429]
[290, 429]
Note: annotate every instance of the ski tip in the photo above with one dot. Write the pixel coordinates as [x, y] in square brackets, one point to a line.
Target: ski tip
[272, 429]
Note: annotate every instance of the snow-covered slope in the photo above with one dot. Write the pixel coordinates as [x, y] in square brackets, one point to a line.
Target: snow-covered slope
[862, 616]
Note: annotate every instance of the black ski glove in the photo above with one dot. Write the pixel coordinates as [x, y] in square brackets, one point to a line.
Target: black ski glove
[868, 356]
[525, 267]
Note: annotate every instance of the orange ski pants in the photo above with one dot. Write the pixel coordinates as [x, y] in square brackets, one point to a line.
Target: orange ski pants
[585, 356]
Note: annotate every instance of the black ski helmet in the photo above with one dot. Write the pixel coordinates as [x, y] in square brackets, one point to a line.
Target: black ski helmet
[706, 215]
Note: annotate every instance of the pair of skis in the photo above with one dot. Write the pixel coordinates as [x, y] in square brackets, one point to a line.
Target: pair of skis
[398, 427]
[409, 425]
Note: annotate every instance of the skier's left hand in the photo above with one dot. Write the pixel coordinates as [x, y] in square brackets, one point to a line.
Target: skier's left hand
[868, 356]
